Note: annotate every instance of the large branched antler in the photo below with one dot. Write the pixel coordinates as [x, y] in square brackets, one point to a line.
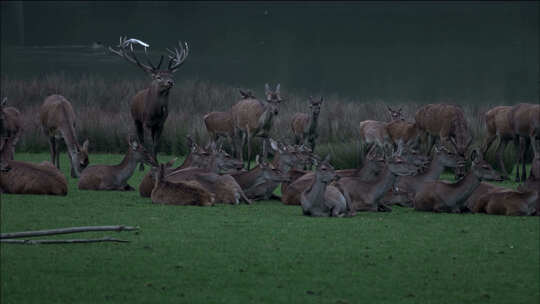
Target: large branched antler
[176, 57]
[126, 51]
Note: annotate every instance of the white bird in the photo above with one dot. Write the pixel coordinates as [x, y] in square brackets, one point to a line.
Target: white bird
[132, 41]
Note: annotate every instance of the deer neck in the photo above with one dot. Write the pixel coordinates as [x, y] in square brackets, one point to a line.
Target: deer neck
[315, 193]
[156, 101]
[434, 171]
[265, 121]
[461, 190]
[385, 181]
[125, 169]
[68, 133]
[312, 125]
[212, 165]
[186, 163]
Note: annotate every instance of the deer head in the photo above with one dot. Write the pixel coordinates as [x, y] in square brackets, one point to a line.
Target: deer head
[162, 79]
[395, 114]
[448, 158]
[482, 169]
[400, 166]
[273, 98]
[324, 170]
[82, 155]
[270, 172]
[315, 105]
[140, 154]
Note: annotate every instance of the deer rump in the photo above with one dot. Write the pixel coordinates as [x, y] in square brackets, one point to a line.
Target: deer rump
[29, 178]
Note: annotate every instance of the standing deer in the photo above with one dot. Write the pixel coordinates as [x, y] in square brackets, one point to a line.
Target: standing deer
[440, 196]
[404, 134]
[395, 114]
[10, 130]
[28, 178]
[498, 125]
[320, 199]
[58, 121]
[304, 126]
[374, 134]
[149, 107]
[253, 117]
[104, 177]
[525, 123]
[220, 124]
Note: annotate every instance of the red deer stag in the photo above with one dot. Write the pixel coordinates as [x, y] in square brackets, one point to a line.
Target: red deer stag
[220, 124]
[498, 126]
[525, 123]
[441, 196]
[104, 177]
[58, 121]
[10, 130]
[28, 178]
[304, 126]
[253, 117]
[149, 107]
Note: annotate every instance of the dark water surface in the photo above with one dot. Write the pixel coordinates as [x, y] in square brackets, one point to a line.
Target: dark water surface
[423, 51]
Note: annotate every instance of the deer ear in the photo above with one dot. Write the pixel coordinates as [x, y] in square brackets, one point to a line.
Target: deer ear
[389, 109]
[134, 144]
[274, 145]
[4, 101]
[85, 145]
[244, 94]
[278, 87]
[267, 89]
[321, 100]
[257, 160]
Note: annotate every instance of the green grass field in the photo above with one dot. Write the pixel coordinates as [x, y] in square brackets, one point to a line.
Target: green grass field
[264, 253]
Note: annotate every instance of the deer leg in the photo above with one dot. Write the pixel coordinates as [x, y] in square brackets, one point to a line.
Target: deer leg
[249, 151]
[52, 147]
[523, 158]
[487, 143]
[521, 147]
[500, 149]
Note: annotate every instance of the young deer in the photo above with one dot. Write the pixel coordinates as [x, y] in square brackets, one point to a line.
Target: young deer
[365, 196]
[442, 158]
[259, 183]
[10, 130]
[320, 199]
[58, 121]
[304, 126]
[105, 177]
[28, 178]
[373, 133]
[178, 193]
[253, 117]
[440, 196]
[149, 107]
[395, 114]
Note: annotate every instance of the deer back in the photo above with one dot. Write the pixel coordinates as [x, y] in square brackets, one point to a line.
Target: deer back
[497, 121]
[525, 119]
[29, 178]
[219, 123]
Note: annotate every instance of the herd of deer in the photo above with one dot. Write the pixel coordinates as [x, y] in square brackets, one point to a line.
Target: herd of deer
[402, 165]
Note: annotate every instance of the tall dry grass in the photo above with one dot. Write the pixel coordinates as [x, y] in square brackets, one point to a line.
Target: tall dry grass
[103, 111]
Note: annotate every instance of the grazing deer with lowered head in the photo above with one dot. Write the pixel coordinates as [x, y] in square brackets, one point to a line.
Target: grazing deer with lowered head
[366, 196]
[10, 130]
[260, 182]
[442, 158]
[321, 199]
[28, 178]
[58, 121]
[178, 193]
[220, 124]
[440, 196]
[498, 126]
[150, 107]
[115, 177]
[525, 124]
[253, 117]
[304, 126]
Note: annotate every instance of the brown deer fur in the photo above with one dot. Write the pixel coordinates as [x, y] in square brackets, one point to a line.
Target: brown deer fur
[525, 123]
[10, 130]
[58, 121]
[374, 134]
[304, 126]
[29, 178]
[220, 124]
[498, 126]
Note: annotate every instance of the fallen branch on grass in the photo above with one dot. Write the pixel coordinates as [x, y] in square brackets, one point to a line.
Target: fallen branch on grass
[72, 241]
[65, 230]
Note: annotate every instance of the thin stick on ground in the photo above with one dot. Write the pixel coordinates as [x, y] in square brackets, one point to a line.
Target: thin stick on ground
[65, 230]
[70, 241]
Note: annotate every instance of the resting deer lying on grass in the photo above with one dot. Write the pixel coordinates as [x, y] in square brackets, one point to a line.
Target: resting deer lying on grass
[507, 202]
[10, 130]
[58, 121]
[442, 158]
[178, 193]
[28, 178]
[320, 199]
[260, 182]
[440, 196]
[304, 126]
[366, 196]
[105, 177]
